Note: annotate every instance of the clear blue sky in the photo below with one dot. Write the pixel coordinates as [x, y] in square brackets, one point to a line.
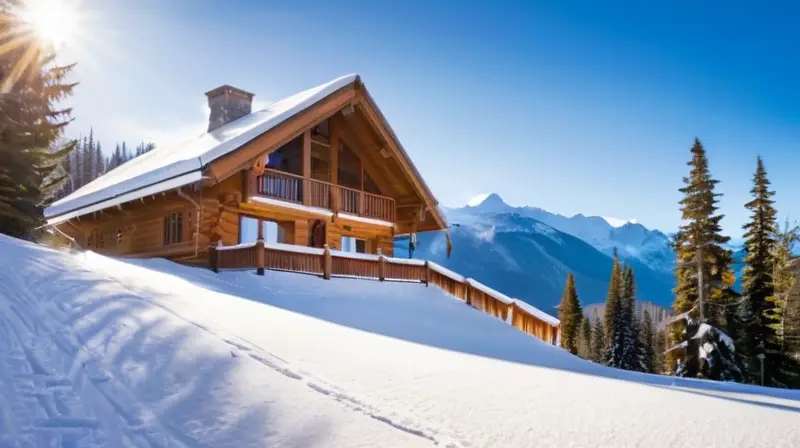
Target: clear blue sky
[576, 107]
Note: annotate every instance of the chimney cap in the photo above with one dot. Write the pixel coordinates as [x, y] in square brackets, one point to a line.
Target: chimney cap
[225, 88]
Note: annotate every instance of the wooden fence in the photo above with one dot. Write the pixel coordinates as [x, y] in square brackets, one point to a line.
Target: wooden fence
[328, 263]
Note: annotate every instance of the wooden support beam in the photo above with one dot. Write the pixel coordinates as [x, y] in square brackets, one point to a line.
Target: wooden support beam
[334, 124]
[306, 166]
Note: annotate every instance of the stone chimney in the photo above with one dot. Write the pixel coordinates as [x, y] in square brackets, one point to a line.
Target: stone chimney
[227, 103]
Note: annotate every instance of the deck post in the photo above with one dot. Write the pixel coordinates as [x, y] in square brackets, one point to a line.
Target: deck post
[381, 265]
[327, 263]
[260, 249]
[468, 289]
[213, 259]
[427, 273]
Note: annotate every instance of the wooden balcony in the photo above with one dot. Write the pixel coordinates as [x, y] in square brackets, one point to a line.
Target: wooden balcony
[315, 193]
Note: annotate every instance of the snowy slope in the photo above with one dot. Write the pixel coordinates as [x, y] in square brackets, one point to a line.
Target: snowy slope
[101, 352]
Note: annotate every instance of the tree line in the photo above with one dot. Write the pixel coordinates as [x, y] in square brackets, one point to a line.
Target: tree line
[618, 339]
[752, 336]
[86, 162]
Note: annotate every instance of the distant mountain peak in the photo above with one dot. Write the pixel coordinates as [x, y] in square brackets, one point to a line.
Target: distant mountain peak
[616, 222]
[487, 200]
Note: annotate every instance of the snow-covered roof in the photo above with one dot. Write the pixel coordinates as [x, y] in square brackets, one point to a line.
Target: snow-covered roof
[166, 163]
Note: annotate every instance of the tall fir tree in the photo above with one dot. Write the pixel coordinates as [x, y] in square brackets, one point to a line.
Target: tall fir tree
[598, 339]
[611, 310]
[99, 161]
[570, 315]
[658, 352]
[700, 232]
[629, 328]
[31, 87]
[758, 319]
[648, 343]
[88, 158]
[585, 339]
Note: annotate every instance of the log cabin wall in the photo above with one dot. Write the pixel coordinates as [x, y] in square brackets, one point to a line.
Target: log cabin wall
[137, 228]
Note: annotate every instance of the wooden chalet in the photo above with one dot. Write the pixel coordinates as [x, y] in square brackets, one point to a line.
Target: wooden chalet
[316, 183]
[320, 167]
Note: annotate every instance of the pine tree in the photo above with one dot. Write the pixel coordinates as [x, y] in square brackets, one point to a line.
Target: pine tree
[99, 162]
[570, 315]
[30, 84]
[626, 350]
[700, 233]
[759, 328]
[585, 339]
[88, 159]
[783, 280]
[648, 343]
[611, 310]
[124, 156]
[660, 346]
[598, 339]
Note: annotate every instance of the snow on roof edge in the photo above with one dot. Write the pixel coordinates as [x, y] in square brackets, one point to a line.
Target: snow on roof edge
[168, 184]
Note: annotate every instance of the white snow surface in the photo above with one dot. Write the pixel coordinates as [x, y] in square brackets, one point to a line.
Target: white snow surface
[96, 351]
[166, 163]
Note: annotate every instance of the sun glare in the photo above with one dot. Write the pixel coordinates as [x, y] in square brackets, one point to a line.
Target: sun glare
[54, 21]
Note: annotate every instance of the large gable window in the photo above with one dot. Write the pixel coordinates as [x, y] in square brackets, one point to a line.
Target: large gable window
[173, 228]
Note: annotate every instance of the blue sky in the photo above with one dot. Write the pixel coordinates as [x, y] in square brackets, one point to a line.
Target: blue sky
[575, 107]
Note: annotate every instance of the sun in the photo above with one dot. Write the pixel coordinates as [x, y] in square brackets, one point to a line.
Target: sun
[54, 21]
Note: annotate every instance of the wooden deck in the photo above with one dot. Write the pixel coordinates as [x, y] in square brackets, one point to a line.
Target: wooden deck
[326, 263]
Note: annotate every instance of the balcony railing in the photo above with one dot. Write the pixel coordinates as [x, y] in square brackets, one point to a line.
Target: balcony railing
[316, 193]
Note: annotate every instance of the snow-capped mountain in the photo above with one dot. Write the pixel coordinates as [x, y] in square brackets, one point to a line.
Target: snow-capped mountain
[527, 258]
[632, 240]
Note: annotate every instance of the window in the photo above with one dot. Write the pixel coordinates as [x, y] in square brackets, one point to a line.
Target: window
[352, 244]
[248, 231]
[173, 228]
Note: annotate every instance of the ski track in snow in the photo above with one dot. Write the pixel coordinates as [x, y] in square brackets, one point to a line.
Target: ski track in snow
[61, 395]
[50, 372]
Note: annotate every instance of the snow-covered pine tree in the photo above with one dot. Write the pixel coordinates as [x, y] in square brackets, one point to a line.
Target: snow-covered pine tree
[570, 315]
[598, 339]
[30, 125]
[701, 231]
[648, 343]
[626, 333]
[615, 325]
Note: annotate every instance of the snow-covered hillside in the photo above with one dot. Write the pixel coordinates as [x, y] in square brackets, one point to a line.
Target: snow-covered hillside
[101, 352]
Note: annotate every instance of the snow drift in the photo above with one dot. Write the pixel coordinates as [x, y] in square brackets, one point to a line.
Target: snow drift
[102, 352]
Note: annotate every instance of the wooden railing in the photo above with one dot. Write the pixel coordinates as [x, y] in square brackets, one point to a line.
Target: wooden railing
[316, 193]
[330, 263]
